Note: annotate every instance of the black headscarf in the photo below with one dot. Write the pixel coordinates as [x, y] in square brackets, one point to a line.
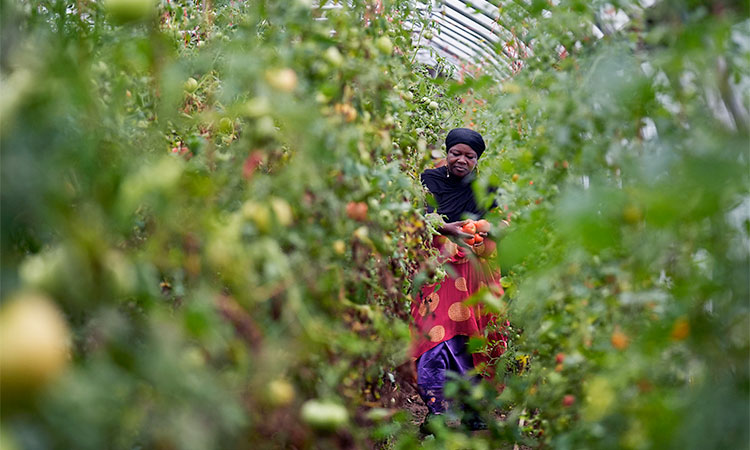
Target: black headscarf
[465, 136]
[455, 195]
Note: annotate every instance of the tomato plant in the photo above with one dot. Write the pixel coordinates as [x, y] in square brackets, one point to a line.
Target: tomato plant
[216, 207]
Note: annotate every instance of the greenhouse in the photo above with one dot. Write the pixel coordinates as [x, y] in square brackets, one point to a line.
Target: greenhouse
[378, 224]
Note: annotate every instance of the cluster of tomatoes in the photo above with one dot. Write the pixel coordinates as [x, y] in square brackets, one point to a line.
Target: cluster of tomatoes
[475, 228]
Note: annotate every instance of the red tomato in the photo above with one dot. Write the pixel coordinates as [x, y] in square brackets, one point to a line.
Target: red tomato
[357, 211]
[478, 239]
[469, 228]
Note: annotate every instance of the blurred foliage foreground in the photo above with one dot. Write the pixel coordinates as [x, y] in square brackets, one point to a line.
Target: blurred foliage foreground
[212, 227]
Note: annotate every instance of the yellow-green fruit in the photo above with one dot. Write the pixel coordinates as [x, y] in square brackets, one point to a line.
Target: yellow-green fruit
[324, 415]
[226, 125]
[632, 214]
[191, 84]
[280, 392]
[384, 44]
[333, 55]
[35, 343]
[6, 440]
[125, 11]
[282, 211]
[284, 80]
[259, 214]
[339, 247]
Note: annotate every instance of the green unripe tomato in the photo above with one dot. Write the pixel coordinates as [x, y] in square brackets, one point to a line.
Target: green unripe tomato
[384, 45]
[324, 415]
[191, 84]
[226, 125]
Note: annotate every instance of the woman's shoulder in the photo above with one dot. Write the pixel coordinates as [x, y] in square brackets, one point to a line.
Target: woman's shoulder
[432, 174]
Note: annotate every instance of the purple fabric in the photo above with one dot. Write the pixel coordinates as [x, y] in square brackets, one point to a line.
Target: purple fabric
[451, 355]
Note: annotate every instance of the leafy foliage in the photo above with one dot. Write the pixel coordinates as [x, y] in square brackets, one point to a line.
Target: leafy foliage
[223, 201]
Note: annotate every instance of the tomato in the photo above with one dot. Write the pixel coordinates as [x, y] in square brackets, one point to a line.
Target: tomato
[569, 400]
[680, 329]
[469, 241]
[469, 228]
[559, 358]
[324, 415]
[226, 125]
[339, 247]
[434, 105]
[515, 177]
[384, 44]
[259, 214]
[478, 239]
[282, 211]
[632, 214]
[483, 226]
[619, 340]
[284, 80]
[357, 211]
[280, 392]
[191, 84]
[333, 56]
[35, 341]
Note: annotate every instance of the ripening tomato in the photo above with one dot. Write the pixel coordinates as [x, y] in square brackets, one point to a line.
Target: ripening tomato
[469, 228]
[357, 211]
[619, 340]
[483, 226]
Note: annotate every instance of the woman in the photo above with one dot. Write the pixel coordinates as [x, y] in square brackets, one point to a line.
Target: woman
[442, 322]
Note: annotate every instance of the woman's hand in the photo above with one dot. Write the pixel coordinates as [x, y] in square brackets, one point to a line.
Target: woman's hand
[453, 229]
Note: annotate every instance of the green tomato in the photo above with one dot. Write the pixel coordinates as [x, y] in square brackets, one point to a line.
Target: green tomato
[191, 84]
[384, 45]
[324, 415]
[226, 125]
[333, 55]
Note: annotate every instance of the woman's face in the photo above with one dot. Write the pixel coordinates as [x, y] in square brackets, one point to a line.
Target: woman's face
[461, 160]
